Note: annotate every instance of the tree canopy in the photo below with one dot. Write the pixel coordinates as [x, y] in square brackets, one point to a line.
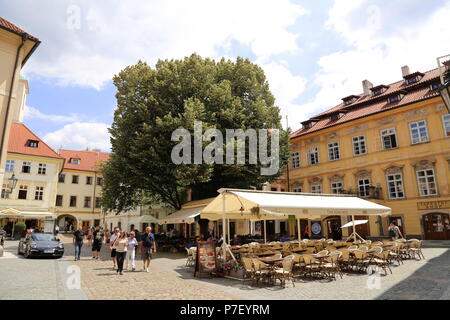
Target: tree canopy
[153, 102]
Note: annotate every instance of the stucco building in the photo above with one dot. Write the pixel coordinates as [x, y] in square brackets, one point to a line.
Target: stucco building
[389, 144]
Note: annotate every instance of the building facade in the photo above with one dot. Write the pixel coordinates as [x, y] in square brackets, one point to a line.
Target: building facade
[16, 47]
[390, 145]
[78, 200]
[36, 167]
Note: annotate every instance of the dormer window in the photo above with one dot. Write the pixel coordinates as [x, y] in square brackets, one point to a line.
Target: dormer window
[308, 124]
[436, 86]
[337, 116]
[74, 161]
[413, 78]
[394, 99]
[32, 143]
[350, 99]
[378, 90]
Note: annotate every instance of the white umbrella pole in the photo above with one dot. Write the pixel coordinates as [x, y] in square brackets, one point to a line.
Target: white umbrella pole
[265, 232]
[354, 228]
[299, 233]
[229, 231]
[224, 242]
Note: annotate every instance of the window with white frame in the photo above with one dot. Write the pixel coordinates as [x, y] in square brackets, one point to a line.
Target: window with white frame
[426, 182]
[418, 131]
[316, 188]
[313, 155]
[389, 138]
[39, 194]
[9, 166]
[363, 187]
[42, 169]
[26, 167]
[333, 151]
[23, 190]
[395, 186]
[5, 193]
[446, 123]
[337, 187]
[359, 145]
[295, 160]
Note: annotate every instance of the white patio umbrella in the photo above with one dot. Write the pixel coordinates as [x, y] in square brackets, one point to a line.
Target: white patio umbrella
[357, 222]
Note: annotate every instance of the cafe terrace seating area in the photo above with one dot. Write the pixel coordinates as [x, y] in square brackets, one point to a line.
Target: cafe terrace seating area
[278, 263]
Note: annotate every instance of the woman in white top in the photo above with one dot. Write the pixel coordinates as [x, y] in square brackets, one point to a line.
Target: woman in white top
[131, 251]
[121, 245]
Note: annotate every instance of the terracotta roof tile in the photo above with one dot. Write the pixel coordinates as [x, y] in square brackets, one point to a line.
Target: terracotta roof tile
[18, 138]
[5, 24]
[367, 105]
[89, 159]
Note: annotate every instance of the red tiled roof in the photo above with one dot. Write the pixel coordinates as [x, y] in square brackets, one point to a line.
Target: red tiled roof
[367, 105]
[18, 137]
[89, 159]
[5, 24]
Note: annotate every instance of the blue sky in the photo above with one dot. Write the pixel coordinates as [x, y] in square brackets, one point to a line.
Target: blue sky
[313, 52]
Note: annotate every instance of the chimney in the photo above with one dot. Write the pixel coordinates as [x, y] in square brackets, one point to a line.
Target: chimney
[405, 71]
[367, 85]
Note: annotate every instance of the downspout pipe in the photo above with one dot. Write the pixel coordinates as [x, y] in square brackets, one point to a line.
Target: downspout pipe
[13, 78]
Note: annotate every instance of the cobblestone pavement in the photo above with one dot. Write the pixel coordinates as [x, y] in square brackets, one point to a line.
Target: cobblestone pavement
[31, 279]
[170, 279]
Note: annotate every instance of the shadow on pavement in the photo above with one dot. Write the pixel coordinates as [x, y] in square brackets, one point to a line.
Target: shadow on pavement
[430, 282]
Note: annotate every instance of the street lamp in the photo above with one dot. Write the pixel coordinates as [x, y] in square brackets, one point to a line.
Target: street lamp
[13, 183]
[444, 68]
[445, 93]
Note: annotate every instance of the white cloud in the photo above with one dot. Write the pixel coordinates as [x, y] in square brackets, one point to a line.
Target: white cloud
[33, 113]
[115, 33]
[79, 136]
[381, 40]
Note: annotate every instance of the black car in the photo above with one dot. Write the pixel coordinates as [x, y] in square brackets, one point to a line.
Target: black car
[40, 244]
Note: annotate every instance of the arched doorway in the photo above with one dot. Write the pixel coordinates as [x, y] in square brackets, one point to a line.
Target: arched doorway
[67, 223]
[333, 225]
[436, 226]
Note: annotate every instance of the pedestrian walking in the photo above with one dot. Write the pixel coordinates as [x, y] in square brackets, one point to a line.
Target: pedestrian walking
[121, 245]
[394, 231]
[98, 240]
[90, 236]
[131, 251]
[56, 230]
[112, 248]
[148, 246]
[78, 238]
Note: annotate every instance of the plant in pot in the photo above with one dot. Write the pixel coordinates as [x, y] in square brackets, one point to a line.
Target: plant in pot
[18, 229]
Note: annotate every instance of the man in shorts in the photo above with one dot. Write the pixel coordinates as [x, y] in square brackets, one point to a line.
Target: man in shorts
[97, 242]
[113, 239]
[148, 246]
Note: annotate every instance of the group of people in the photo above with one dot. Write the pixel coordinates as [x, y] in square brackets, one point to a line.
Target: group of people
[123, 247]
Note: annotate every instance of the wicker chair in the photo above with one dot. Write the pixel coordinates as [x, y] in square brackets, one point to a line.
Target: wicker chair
[249, 269]
[395, 254]
[191, 257]
[262, 270]
[362, 260]
[285, 273]
[377, 243]
[313, 267]
[331, 267]
[363, 248]
[416, 249]
[299, 264]
[382, 260]
[345, 261]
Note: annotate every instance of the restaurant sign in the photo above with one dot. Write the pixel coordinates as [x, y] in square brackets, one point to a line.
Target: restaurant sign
[432, 205]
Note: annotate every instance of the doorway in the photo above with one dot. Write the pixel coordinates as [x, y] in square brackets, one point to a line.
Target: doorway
[436, 226]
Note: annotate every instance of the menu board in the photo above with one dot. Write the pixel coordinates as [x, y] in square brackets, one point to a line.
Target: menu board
[205, 261]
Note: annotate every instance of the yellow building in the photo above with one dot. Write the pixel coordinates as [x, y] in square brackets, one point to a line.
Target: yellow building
[16, 47]
[390, 144]
[78, 200]
[31, 197]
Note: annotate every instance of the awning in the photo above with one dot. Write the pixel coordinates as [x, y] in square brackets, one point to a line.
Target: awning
[13, 213]
[264, 205]
[148, 218]
[186, 215]
[357, 222]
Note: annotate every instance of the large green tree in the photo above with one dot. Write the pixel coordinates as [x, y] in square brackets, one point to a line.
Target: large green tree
[153, 102]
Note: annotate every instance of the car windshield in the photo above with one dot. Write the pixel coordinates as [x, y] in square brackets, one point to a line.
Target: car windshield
[43, 237]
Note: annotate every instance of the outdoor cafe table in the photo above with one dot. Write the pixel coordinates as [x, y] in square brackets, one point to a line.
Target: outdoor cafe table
[295, 250]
